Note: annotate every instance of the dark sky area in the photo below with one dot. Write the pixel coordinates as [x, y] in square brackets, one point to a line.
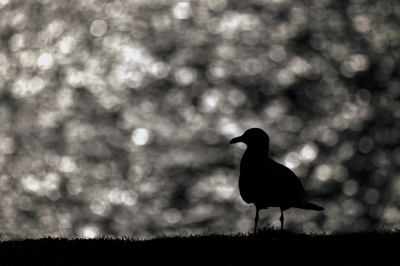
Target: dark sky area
[116, 115]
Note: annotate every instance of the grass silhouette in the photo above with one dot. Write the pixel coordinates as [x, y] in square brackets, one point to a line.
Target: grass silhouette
[267, 247]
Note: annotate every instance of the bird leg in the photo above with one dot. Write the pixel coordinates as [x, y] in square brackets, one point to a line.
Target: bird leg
[256, 221]
[281, 218]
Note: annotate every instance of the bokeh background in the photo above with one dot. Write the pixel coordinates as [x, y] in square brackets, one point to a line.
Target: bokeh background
[116, 116]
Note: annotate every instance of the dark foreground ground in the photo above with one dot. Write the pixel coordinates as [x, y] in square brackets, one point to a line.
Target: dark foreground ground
[269, 247]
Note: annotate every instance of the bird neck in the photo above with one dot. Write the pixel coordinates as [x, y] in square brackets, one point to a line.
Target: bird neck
[258, 151]
[253, 155]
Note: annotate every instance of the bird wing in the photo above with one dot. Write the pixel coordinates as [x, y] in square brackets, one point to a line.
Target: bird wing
[289, 178]
[270, 184]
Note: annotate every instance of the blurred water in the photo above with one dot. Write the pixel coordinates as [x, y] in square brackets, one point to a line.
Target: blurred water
[116, 116]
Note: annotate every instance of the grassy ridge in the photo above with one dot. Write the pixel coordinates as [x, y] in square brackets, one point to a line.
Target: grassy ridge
[270, 246]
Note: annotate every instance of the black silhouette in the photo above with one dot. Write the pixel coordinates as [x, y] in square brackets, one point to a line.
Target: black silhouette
[265, 182]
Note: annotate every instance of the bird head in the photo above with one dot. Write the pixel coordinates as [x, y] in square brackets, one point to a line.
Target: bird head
[253, 137]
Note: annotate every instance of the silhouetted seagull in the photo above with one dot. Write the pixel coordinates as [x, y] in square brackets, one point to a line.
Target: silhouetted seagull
[265, 182]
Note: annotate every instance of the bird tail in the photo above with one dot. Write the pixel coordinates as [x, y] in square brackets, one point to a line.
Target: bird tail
[312, 206]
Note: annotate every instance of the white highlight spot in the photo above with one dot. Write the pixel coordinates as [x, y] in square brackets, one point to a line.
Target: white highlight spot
[141, 136]
[45, 61]
[98, 28]
[67, 164]
[74, 187]
[129, 197]
[114, 8]
[67, 44]
[182, 10]
[324, 172]
[185, 76]
[309, 153]
[292, 160]
[89, 232]
[98, 206]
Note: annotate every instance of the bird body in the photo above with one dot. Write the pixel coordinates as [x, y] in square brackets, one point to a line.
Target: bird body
[266, 183]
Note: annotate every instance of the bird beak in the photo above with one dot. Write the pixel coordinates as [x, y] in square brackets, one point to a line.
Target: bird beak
[236, 140]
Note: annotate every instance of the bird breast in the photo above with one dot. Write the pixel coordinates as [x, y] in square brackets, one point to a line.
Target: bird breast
[252, 158]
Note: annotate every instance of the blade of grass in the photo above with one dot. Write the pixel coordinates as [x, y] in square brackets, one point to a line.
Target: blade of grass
[311, 229]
